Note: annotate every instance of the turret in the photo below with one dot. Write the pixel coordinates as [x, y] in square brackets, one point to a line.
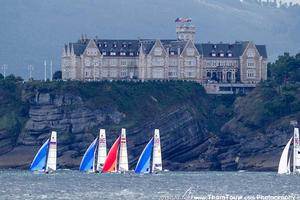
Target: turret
[184, 29]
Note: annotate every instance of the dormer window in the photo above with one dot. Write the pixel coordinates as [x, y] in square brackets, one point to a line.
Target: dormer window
[221, 54]
[99, 45]
[172, 53]
[124, 45]
[105, 45]
[214, 46]
[113, 53]
[213, 54]
[122, 54]
[131, 54]
[229, 54]
[104, 53]
[115, 45]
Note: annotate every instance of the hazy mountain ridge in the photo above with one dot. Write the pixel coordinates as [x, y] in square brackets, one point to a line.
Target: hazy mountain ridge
[37, 30]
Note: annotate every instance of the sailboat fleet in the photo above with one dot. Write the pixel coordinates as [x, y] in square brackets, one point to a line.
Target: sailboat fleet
[96, 159]
[285, 159]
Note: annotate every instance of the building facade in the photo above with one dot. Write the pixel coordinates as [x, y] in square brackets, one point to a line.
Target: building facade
[174, 59]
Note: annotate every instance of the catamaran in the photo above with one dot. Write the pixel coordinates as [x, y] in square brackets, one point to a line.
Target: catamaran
[45, 159]
[153, 148]
[285, 159]
[88, 162]
[111, 162]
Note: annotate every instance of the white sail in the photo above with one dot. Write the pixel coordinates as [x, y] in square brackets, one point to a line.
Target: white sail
[51, 159]
[157, 160]
[123, 159]
[102, 151]
[296, 166]
[283, 163]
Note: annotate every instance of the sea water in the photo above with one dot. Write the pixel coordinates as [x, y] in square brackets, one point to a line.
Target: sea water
[69, 184]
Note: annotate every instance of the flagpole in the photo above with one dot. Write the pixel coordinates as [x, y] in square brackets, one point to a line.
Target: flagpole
[51, 72]
[45, 70]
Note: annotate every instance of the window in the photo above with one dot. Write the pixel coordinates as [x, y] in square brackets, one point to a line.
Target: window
[113, 73]
[221, 54]
[190, 52]
[113, 53]
[157, 61]
[123, 73]
[213, 54]
[229, 54]
[105, 72]
[123, 62]
[250, 53]
[190, 72]
[172, 72]
[97, 62]
[173, 62]
[190, 62]
[104, 53]
[251, 73]
[158, 73]
[105, 62]
[113, 62]
[88, 73]
[172, 53]
[122, 54]
[87, 62]
[250, 63]
[131, 54]
[91, 51]
[157, 51]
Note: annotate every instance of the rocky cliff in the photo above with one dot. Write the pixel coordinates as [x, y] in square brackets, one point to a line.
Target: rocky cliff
[198, 131]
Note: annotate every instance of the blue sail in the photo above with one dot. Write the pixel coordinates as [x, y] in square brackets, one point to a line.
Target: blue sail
[143, 165]
[88, 160]
[39, 161]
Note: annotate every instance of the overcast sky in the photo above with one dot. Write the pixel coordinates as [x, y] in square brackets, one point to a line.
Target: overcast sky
[295, 1]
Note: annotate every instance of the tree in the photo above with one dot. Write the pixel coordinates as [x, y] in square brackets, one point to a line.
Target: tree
[57, 75]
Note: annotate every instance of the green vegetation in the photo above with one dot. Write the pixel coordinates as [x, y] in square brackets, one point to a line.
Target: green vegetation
[12, 110]
[276, 98]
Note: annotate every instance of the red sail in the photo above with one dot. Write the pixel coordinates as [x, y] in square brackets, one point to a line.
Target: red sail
[110, 164]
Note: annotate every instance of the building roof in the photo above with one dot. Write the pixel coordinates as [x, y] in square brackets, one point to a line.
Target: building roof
[132, 47]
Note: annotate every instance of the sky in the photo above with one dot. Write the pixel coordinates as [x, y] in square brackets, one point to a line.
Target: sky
[37, 30]
[294, 1]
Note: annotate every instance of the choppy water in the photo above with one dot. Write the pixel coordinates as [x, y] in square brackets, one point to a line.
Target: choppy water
[67, 184]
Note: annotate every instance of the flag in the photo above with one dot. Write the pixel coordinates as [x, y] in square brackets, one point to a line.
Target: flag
[183, 19]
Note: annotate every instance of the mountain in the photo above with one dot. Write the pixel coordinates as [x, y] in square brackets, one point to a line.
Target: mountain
[37, 30]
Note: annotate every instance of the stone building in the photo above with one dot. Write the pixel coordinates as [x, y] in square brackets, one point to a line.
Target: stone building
[175, 59]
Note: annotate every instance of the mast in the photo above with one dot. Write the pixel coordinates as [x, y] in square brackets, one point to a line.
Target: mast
[157, 160]
[123, 157]
[296, 158]
[102, 151]
[51, 158]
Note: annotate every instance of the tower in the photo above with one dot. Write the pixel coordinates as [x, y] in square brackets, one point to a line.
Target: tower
[184, 29]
